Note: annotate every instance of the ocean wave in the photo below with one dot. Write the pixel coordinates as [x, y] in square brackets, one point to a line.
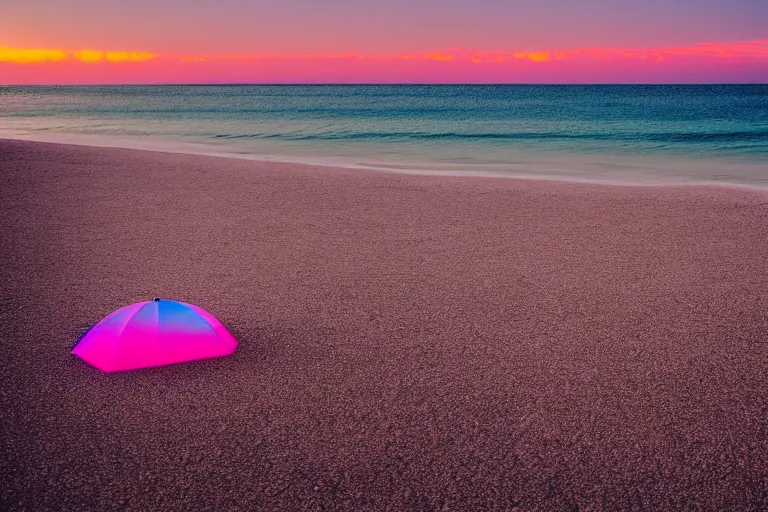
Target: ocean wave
[679, 137]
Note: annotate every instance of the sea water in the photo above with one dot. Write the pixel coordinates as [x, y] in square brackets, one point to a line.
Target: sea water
[655, 134]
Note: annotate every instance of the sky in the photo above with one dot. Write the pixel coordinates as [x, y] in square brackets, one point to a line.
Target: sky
[398, 41]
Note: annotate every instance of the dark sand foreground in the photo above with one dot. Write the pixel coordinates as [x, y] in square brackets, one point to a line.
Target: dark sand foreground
[406, 342]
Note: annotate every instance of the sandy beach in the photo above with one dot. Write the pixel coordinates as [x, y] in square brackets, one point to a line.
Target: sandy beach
[406, 342]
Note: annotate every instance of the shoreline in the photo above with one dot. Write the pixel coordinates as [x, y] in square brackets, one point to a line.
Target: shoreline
[202, 149]
[405, 341]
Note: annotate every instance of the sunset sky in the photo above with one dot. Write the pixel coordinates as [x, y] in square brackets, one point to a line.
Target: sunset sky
[414, 41]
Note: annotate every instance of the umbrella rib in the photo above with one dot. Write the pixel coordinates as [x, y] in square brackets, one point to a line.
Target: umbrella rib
[114, 351]
[213, 327]
[185, 305]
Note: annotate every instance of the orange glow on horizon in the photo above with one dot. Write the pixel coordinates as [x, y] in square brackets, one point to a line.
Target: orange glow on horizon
[452, 65]
[89, 55]
[129, 56]
[30, 55]
[39, 55]
[752, 49]
[440, 57]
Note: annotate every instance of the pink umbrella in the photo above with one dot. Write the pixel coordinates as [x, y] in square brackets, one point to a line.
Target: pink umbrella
[154, 333]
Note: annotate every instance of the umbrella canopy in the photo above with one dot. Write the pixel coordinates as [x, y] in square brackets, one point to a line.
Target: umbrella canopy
[154, 333]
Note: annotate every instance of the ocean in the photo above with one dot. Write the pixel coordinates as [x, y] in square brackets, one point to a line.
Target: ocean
[655, 134]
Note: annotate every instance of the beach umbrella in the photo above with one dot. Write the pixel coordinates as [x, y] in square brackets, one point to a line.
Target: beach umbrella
[154, 333]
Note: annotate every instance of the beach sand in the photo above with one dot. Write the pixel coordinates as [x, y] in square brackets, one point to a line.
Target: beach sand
[406, 342]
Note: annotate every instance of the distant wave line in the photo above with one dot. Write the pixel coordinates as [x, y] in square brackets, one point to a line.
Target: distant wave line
[761, 135]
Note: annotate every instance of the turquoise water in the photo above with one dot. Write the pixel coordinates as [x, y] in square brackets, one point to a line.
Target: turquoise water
[633, 134]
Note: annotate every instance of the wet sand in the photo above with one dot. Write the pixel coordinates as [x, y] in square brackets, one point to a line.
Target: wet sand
[406, 342]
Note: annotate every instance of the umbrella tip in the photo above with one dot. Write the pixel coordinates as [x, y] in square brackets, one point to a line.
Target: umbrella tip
[156, 299]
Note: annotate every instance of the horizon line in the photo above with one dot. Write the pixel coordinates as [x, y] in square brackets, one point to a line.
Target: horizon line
[379, 84]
